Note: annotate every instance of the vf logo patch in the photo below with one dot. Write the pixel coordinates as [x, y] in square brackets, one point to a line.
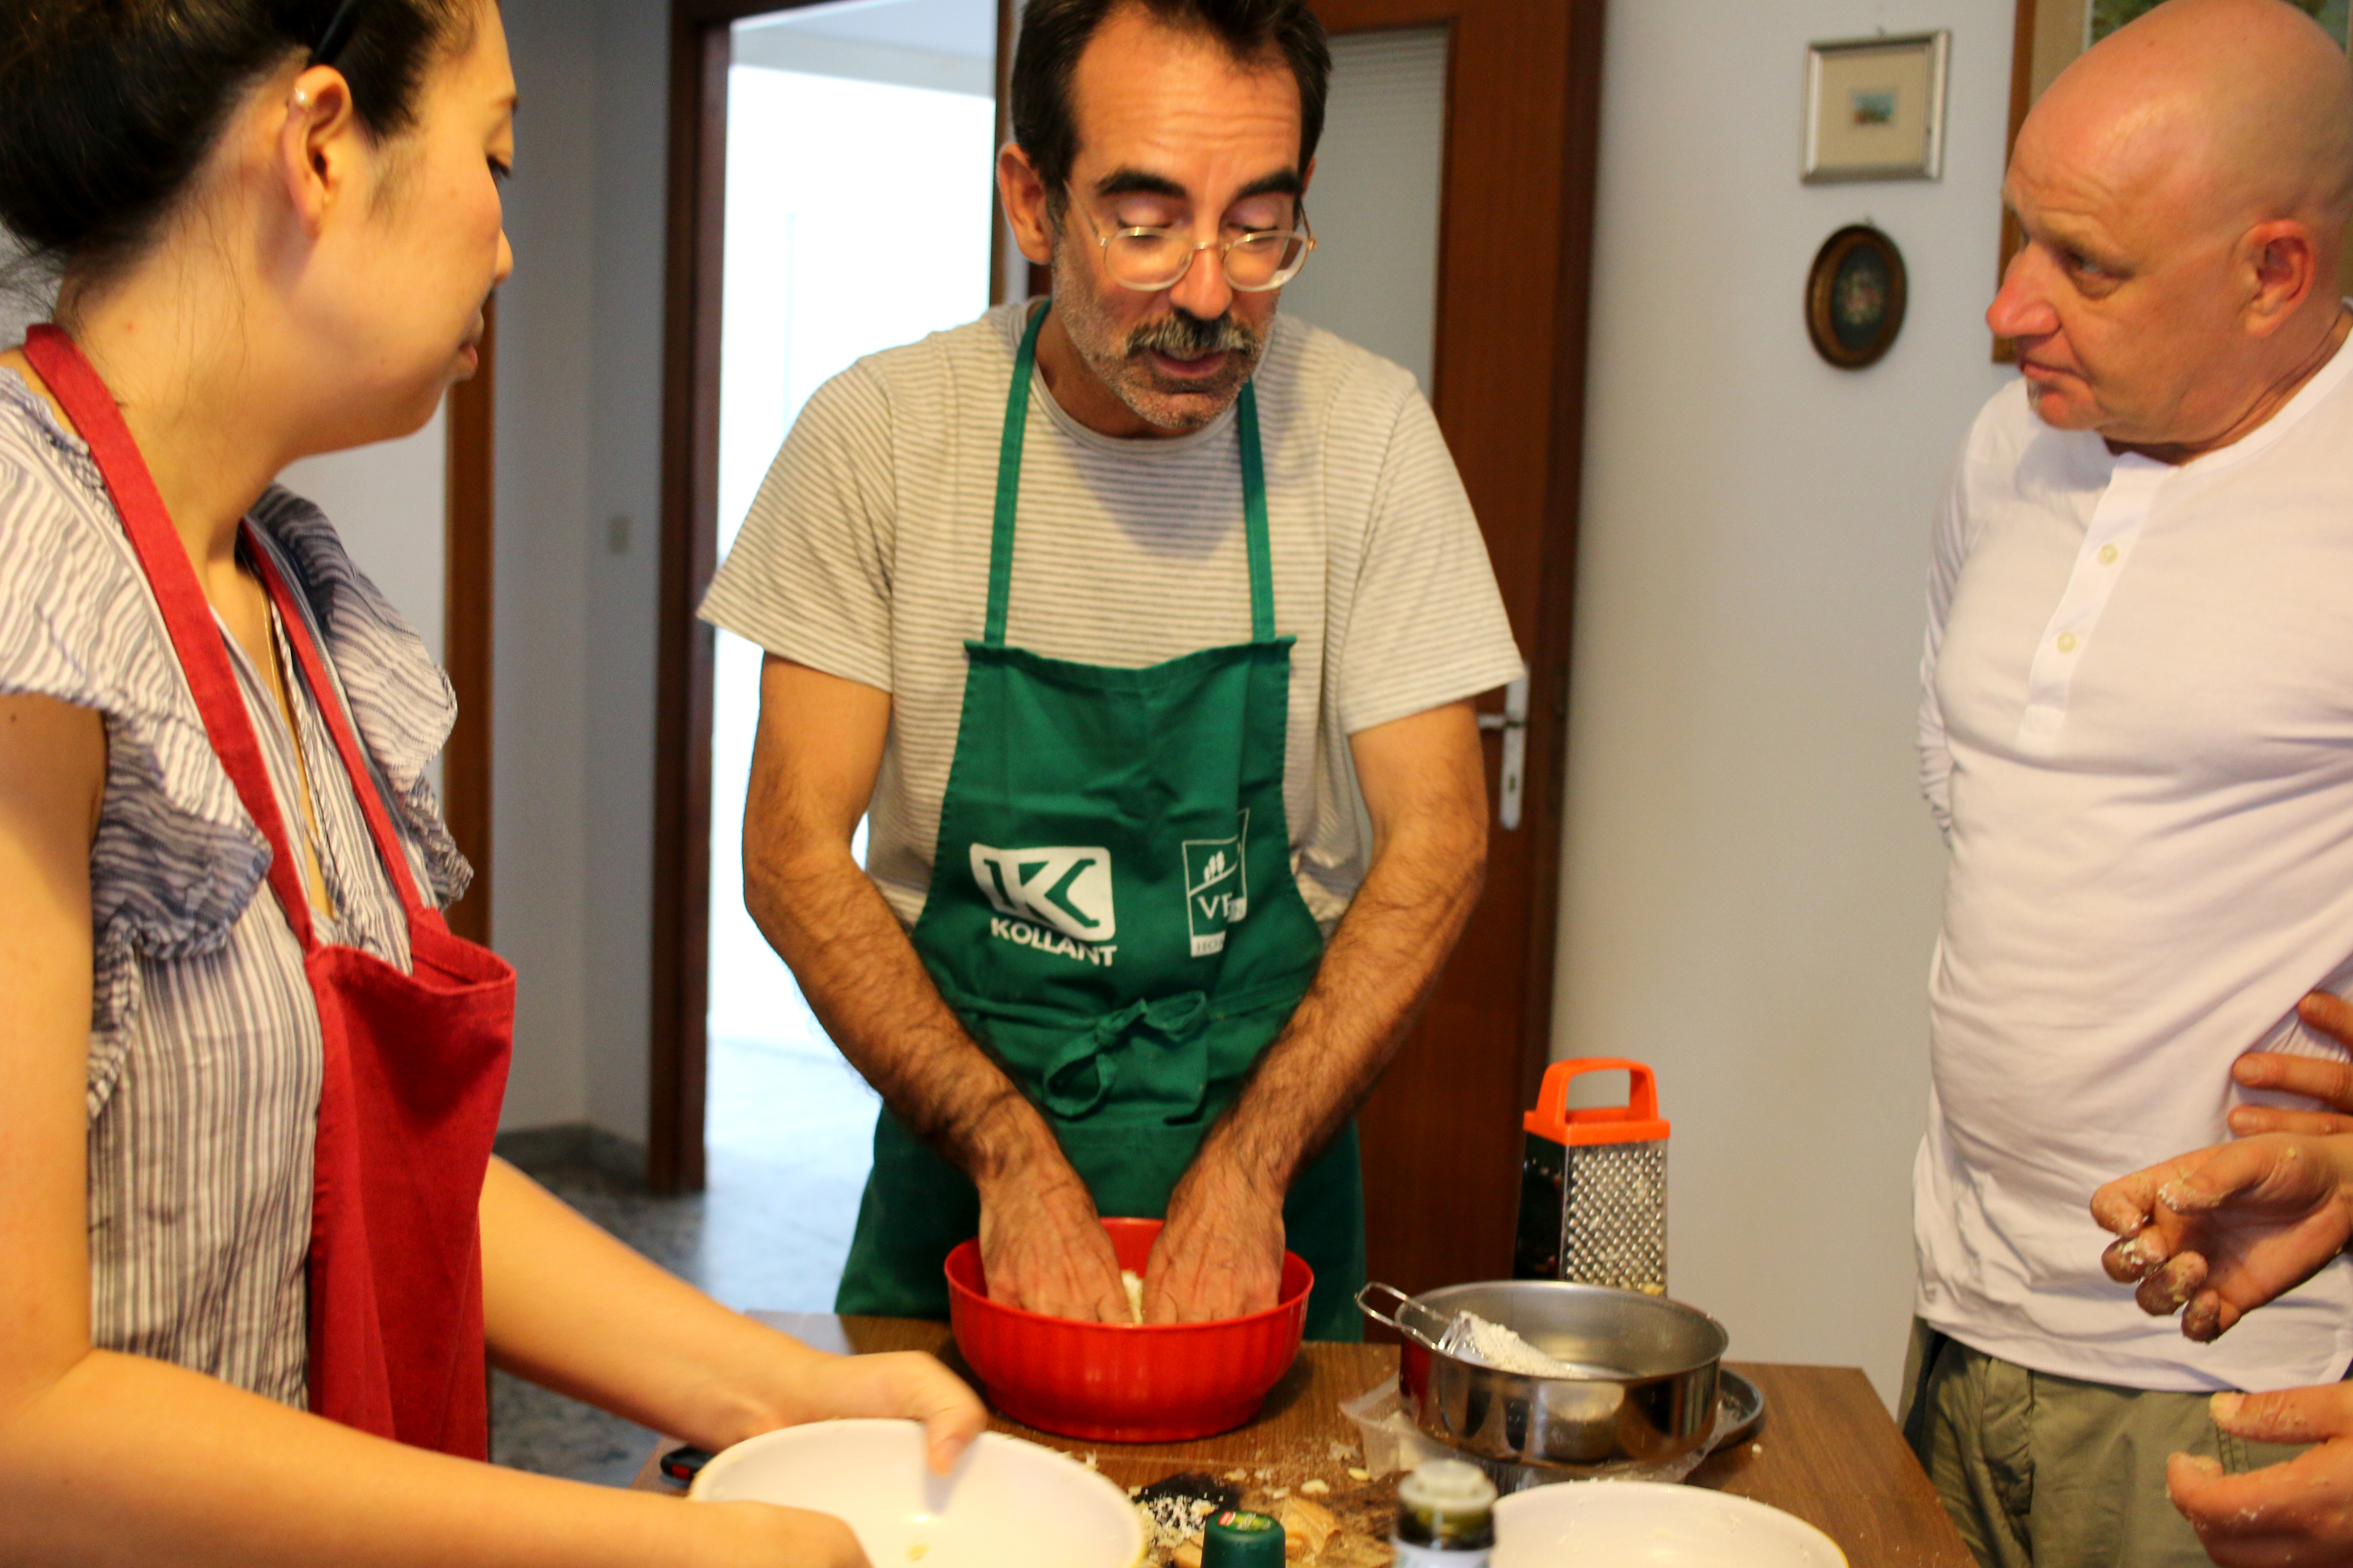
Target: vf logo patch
[1067, 889]
[1216, 888]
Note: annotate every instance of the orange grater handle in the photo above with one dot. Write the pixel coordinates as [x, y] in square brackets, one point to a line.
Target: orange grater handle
[1636, 1122]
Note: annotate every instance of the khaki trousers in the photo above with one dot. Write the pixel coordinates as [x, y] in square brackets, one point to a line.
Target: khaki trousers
[2043, 1471]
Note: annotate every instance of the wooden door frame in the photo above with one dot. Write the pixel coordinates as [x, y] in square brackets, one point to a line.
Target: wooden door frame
[677, 1054]
[468, 622]
[1516, 276]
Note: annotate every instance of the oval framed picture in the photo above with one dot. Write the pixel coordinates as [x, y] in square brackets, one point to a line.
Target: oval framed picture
[1854, 296]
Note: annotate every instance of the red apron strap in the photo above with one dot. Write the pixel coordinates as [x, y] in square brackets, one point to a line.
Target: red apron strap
[188, 616]
[339, 725]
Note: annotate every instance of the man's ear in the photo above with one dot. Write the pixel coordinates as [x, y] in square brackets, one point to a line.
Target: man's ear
[317, 145]
[1024, 195]
[2282, 264]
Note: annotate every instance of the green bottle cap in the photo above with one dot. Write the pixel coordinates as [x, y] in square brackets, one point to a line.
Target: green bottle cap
[1237, 1540]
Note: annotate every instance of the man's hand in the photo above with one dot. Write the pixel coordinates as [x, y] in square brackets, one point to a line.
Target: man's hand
[1044, 1247]
[2215, 1234]
[1220, 1254]
[2329, 1082]
[2299, 1512]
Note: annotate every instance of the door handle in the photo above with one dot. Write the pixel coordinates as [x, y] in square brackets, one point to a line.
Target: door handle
[1513, 723]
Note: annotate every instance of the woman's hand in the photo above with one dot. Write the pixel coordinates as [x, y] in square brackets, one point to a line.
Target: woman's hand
[907, 1384]
[2329, 1082]
[570, 1307]
[758, 1535]
[2217, 1233]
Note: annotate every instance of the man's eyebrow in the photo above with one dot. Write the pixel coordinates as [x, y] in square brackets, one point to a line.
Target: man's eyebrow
[1137, 183]
[1282, 183]
[1132, 181]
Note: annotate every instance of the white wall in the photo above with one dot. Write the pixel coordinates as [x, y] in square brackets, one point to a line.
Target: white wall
[390, 505]
[1751, 882]
[623, 589]
[540, 696]
[579, 468]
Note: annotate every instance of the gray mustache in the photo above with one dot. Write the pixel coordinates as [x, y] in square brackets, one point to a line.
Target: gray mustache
[1185, 336]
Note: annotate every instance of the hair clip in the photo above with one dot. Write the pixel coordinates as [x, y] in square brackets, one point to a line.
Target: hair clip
[338, 33]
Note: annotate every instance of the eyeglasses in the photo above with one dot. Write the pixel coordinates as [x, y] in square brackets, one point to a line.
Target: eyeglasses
[1151, 258]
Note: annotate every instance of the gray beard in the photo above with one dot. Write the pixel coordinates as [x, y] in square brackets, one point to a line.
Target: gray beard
[1123, 365]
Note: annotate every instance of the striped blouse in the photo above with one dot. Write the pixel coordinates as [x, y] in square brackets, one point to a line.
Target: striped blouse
[205, 1054]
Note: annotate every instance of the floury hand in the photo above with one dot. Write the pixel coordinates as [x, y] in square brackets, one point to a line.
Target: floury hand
[2216, 1232]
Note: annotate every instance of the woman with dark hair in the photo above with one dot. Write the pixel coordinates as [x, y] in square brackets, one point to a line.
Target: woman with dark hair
[255, 1244]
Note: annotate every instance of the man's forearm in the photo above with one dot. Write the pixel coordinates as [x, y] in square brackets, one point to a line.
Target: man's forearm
[1378, 973]
[862, 979]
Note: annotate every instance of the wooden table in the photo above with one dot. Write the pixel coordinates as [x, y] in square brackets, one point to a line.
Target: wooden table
[1828, 1451]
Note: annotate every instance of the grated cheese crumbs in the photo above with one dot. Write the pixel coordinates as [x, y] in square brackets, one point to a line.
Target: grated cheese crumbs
[1171, 1521]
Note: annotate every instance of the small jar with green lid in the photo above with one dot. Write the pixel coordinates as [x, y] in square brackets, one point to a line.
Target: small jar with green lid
[1237, 1540]
[1446, 1516]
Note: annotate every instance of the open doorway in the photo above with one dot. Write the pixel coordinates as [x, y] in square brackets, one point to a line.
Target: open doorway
[859, 141]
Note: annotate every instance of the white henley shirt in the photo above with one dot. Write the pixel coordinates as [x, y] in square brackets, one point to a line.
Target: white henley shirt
[2136, 732]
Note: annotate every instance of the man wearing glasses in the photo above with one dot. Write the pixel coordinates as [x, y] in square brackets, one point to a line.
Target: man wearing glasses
[1105, 612]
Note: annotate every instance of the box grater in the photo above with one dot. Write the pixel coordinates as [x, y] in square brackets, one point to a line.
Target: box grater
[1593, 1188]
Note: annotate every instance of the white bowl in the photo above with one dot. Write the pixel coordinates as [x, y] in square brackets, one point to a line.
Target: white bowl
[1008, 1504]
[1640, 1524]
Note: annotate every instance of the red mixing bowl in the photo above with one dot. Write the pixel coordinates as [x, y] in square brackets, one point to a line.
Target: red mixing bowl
[1120, 1382]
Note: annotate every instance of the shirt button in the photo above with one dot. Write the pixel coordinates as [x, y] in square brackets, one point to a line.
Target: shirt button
[2108, 554]
[2067, 642]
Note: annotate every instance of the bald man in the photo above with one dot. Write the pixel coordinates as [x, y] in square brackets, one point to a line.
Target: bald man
[2136, 734]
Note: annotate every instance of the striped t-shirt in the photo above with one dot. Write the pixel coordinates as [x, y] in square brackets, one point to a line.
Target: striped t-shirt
[205, 1057]
[866, 556]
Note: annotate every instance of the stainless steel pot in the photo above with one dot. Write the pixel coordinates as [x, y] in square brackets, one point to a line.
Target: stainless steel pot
[1646, 1393]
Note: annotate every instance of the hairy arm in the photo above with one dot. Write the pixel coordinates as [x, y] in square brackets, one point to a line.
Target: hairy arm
[111, 1458]
[813, 768]
[1425, 787]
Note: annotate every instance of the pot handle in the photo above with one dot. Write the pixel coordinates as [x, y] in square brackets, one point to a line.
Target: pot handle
[1425, 1326]
[1388, 1319]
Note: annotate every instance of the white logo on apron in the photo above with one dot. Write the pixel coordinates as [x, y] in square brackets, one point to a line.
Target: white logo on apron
[1217, 888]
[1066, 888]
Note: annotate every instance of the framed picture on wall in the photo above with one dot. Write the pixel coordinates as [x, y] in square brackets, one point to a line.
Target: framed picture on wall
[1854, 296]
[2051, 33]
[1875, 109]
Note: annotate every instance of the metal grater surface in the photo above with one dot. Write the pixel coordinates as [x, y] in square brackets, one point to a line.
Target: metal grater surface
[1614, 1217]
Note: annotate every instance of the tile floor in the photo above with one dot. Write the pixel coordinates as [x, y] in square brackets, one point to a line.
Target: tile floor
[789, 1132]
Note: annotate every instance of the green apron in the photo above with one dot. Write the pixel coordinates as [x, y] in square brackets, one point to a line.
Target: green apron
[1113, 913]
